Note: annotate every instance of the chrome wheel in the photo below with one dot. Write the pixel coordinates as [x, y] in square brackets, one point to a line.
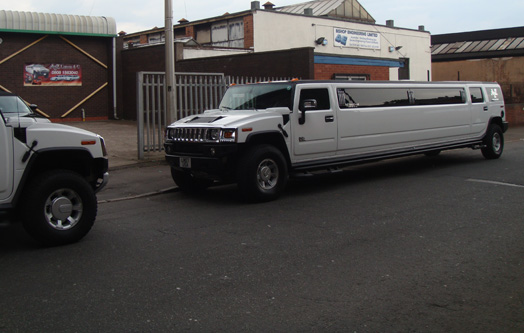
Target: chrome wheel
[267, 174]
[63, 209]
[496, 142]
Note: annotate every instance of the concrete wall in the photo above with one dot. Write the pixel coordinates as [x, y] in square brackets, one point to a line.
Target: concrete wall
[275, 31]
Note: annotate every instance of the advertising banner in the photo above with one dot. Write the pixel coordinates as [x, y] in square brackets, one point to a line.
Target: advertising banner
[356, 38]
[52, 75]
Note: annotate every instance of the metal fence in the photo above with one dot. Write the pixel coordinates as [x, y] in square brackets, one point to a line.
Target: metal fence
[195, 92]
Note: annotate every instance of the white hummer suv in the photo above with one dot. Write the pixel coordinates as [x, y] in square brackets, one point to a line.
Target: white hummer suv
[263, 132]
[49, 174]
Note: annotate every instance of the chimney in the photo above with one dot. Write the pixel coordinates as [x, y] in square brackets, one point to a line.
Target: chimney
[268, 6]
[421, 28]
[255, 5]
[182, 21]
[390, 23]
[308, 11]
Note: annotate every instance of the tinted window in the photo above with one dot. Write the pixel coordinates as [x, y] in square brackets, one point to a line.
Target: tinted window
[257, 96]
[372, 97]
[13, 104]
[476, 95]
[320, 95]
[431, 96]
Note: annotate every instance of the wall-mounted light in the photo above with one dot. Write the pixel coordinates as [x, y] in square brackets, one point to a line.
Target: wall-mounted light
[321, 41]
[393, 48]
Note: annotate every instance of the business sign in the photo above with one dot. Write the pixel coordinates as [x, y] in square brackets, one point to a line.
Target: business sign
[356, 38]
[52, 75]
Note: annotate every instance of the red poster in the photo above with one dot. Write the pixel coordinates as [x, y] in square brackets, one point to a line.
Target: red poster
[52, 75]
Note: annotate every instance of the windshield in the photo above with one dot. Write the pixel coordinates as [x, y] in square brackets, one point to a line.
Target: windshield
[258, 96]
[13, 104]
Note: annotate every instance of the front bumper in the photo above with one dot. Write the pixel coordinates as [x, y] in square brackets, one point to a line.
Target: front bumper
[102, 182]
[505, 126]
[209, 160]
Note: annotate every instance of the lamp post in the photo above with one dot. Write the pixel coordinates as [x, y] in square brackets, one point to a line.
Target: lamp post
[170, 64]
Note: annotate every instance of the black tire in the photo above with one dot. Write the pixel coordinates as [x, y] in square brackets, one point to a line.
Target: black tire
[186, 182]
[262, 174]
[493, 142]
[59, 207]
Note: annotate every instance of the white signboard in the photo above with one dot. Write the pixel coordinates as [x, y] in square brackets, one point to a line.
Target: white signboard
[356, 38]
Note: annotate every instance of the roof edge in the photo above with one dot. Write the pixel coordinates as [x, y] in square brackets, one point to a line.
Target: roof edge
[49, 23]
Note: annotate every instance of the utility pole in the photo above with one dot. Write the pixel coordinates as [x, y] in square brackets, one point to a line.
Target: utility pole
[170, 64]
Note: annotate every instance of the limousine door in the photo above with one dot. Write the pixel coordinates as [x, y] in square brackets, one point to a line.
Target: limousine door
[479, 110]
[315, 126]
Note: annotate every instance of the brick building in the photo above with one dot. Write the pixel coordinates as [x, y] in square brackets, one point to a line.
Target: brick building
[322, 39]
[487, 55]
[62, 63]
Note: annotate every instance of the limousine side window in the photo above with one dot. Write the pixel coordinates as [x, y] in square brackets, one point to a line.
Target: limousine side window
[321, 96]
[476, 95]
[433, 96]
[372, 97]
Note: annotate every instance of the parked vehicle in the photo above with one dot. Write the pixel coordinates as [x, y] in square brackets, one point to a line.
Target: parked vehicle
[264, 132]
[37, 71]
[49, 174]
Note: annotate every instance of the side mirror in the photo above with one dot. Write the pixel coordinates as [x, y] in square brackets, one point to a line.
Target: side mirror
[33, 107]
[307, 104]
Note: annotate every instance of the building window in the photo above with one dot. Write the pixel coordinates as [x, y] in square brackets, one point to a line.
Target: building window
[351, 77]
[228, 34]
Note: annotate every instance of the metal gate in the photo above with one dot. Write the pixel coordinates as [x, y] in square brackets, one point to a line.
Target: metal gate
[195, 92]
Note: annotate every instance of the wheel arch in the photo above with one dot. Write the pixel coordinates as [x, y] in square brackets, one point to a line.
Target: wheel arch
[78, 160]
[274, 138]
[497, 121]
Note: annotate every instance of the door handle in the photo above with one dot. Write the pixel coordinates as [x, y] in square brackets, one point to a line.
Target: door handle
[329, 119]
[485, 108]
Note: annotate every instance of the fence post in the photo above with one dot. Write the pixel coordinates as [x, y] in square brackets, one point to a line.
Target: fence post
[140, 114]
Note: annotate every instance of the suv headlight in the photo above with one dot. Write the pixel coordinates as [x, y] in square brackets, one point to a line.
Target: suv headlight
[214, 134]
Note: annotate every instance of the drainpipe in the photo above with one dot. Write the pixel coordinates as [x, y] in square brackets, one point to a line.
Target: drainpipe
[115, 116]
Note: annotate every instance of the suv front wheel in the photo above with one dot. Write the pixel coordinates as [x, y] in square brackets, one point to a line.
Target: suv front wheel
[262, 173]
[59, 207]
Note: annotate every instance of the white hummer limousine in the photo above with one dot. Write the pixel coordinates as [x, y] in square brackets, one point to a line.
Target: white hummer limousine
[264, 132]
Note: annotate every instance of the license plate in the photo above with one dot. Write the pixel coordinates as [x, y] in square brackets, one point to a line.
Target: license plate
[185, 162]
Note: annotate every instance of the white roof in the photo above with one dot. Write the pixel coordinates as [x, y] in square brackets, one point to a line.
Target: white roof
[320, 7]
[57, 23]
[350, 9]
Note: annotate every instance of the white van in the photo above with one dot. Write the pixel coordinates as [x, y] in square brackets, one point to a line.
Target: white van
[263, 132]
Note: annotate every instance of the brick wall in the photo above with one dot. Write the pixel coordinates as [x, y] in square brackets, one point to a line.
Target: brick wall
[515, 114]
[326, 71]
[190, 31]
[286, 63]
[57, 100]
[249, 40]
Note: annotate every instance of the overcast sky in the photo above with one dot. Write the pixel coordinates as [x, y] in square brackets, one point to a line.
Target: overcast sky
[438, 17]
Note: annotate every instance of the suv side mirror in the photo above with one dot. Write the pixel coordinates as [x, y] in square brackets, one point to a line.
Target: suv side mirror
[307, 104]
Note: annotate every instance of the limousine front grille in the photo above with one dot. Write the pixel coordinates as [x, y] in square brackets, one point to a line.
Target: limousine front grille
[200, 134]
[191, 134]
